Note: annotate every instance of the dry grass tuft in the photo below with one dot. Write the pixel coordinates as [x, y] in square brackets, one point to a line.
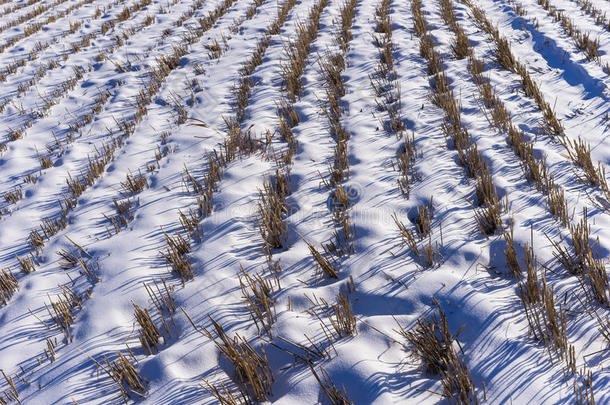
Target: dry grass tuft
[251, 367]
[190, 224]
[176, 255]
[213, 176]
[558, 205]
[460, 46]
[162, 298]
[325, 265]
[148, 334]
[124, 213]
[419, 22]
[510, 253]
[547, 320]
[585, 394]
[489, 217]
[485, 189]
[27, 263]
[423, 220]
[342, 318]
[272, 208]
[45, 162]
[61, 310]
[428, 255]
[336, 396]
[408, 238]
[12, 197]
[36, 241]
[257, 293]
[585, 261]
[125, 375]
[580, 153]
[405, 160]
[224, 394]
[70, 259]
[215, 49]
[342, 243]
[134, 183]
[195, 184]
[50, 227]
[8, 286]
[432, 341]
[11, 394]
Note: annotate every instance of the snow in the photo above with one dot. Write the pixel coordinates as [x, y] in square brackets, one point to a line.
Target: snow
[472, 283]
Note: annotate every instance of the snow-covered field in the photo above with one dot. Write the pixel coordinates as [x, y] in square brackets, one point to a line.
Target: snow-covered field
[301, 202]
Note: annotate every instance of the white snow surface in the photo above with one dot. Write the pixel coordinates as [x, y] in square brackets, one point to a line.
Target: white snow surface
[472, 285]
